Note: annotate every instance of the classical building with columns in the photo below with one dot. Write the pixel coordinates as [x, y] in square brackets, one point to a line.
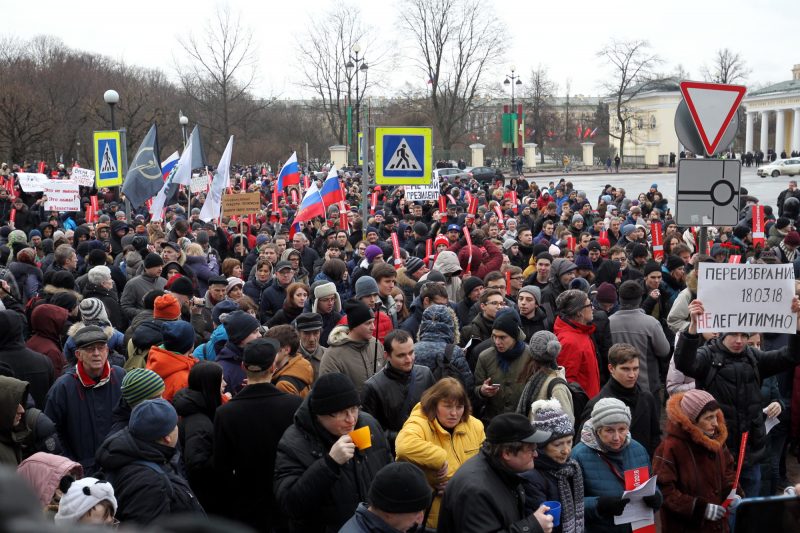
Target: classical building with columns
[776, 111]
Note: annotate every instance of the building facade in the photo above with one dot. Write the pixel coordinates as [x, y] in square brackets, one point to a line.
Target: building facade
[776, 112]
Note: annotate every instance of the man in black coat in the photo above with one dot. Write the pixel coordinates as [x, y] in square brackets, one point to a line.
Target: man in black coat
[246, 434]
[623, 366]
[486, 493]
[27, 365]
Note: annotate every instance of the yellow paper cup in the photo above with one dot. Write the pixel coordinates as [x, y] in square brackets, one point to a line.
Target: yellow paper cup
[361, 438]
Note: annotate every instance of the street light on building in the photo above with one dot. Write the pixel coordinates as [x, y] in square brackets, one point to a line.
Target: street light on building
[112, 98]
[184, 120]
[513, 80]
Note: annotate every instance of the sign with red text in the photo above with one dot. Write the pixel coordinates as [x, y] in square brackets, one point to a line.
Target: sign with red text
[62, 195]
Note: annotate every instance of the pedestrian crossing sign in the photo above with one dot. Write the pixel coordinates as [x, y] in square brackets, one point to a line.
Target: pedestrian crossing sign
[108, 158]
[403, 156]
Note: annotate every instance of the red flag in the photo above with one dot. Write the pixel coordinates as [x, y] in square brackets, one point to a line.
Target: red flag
[294, 196]
[473, 205]
[658, 241]
[13, 216]
[758, 225]
[373, 203]
[508, 283]
[93, 201]
[515, 202]
[499, 213]
[398, 261]
[580, 129]
[468, 238]
[571, 243]
[443, 209]
[587, 133]
[41, 167]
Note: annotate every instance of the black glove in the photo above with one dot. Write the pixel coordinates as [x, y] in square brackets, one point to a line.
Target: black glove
[610, 506]
[654, 501]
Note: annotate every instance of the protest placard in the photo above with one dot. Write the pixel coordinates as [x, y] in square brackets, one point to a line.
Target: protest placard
[241, 204]
[199, 183]
[746, 298]
[62, 195]
[31, 182]
[83, 176]
[423, 193]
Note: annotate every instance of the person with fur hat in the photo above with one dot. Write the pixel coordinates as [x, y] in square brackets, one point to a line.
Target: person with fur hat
[557, 476]
[605, 452]
[695, 469]
[328, 305]
[502, 370]
[172, 360]
[318, 466]
[142, 463]
[574, 329]
[548, 379]
[397, 501]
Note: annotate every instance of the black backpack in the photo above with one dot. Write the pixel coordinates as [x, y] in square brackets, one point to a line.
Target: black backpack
[444, 366]
[579, 396]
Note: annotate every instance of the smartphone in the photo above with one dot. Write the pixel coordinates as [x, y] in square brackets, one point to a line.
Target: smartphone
[496, 385]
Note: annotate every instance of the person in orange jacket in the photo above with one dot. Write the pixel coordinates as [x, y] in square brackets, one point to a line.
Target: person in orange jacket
[293, 372]
[173, 359]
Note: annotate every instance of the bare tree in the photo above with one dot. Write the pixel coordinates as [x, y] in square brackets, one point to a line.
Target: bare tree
[727, 67]
[537, 97]
[632, 69]
[457, 42]
[221, 72]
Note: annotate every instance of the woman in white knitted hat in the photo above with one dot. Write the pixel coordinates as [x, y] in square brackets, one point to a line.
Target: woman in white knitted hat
[606, 452]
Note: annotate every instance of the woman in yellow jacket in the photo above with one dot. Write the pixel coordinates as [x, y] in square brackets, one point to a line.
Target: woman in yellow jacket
[439, 436]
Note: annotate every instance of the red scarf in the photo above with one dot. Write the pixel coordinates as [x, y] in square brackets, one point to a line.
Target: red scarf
[87, 380]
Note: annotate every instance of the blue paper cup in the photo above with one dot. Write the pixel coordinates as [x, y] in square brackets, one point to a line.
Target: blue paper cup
[555, 511]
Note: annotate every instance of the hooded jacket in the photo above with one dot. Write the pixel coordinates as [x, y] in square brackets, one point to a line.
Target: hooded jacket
[13, 392]
[693, 470]
[172, 367]
[110, 299]
[296, 377]
[196, 441]
[43, 472]
[555, 287]
[230, 358]
[447, 263]
[437, 330]
[360, 360]
[27, 365]
[578, 354]
[47, 325]
[134, 292]
[307, 478]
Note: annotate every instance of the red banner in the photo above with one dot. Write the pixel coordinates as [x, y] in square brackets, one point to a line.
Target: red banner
[735, 259]
[13, 216]
[468, 238]
[442, 209]
[515, 201]
[603, 234]
[306, 183]
[10, 185]
[373, 203]
[429, 252]
[508, 283]
[473, 205]
[398, 261]
[41, 167]
[742, 449]
[658, 241]
[499, 213]
[758, 225]
[294, 196]
[571, 243]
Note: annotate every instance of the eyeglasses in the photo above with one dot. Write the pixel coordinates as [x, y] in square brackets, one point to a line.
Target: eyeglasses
[344, 413]
[516, 277]
[497, 304]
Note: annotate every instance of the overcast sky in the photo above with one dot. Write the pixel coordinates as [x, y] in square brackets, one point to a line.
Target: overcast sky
[561, 35]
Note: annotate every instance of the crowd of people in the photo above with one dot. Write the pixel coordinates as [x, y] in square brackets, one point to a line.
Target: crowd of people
[503, 368]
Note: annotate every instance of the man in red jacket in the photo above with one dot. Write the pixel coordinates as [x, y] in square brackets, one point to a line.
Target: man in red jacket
[574, 329]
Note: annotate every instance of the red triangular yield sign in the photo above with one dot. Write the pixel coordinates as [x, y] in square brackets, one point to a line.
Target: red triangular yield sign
[712, 106]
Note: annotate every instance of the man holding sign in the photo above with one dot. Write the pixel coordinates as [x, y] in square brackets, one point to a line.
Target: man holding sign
[732, 372]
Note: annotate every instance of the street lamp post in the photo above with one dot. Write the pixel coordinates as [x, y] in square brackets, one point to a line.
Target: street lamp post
[112, 98]
[184, 120]
[353, 62]
[513, 80]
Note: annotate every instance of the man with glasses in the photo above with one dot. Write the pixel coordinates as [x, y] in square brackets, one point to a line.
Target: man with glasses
[81, 401]
[321, 471]
[480, 329]
[486, 494]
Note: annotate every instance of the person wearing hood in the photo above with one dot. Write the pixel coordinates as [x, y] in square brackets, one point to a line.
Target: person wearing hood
[48, 325]
[196, 406]
[81, 401]
[50, 476]
[605, 452]
[173, 359]
[28, 277]
[472, 288]
[93, 312]
[13, 398]
[548, 379]
[26, 364]
[242, 328]
[352, 348]
[447, 265]
[503, 370]
[246, 434]
[557, 476]
[574, 329]
[438, 347]
[430, 294]
[328, 304]
[318, 466]
[562, 272]
[87, 503]
[695, 469]
[119, 228]
[142, 463]
[532, 316]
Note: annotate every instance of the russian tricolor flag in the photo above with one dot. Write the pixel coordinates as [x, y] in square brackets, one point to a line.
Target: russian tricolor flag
[168, 164]
[311, 206]
[290, 173]
[331, 190]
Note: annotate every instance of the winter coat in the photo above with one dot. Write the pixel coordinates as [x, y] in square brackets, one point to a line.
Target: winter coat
[532, 325]
[272, 299]
[29, 278]
[437, 330]
[476, 331]
[599, 480]
[254, 288]
[246, 434]
[307, 478]
[428, 445]
[47, 326]
[485, 496]
[541, 485]
[110, 300]
[135, 291]
[203, 272]
[230, 358]
[390, 395]
[359, 360]
[693, 470]
[27, 365]
[365, 521]
[578, 354]
[643, 332]
[512, 381]
[559, 392]
[172, 367]
[13, 392]
[196, 442]
[734, 384]
[115, 347]
[82, 413]
[144, 493]
[43, 472]
[487, 259]
[295, 377]
[447, 263]
[285, 315]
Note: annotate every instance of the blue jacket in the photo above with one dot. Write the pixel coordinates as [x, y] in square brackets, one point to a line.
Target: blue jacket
[599, 480]
[230, 358]
[208, 350]
[83, 416]
[438, 329]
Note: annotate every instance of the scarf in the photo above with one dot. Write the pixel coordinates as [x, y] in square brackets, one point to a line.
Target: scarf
[790, 254]
[531, 391]
[504, 359]
[87, 381]
[571, 496]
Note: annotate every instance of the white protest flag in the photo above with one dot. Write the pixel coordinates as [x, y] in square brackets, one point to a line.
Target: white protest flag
[182, 171]
[221, 182]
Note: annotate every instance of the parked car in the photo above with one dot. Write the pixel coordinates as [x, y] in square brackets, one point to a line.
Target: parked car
[788, 167]
[484, 173]
[449, 174]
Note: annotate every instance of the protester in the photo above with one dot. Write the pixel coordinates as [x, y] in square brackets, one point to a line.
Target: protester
[88, 501]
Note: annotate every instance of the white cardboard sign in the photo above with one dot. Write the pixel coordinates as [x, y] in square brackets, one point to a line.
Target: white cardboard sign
[423, 193]
[83, 176]
[32, 182]
[62, 195]
[748, 298]
[199, 183]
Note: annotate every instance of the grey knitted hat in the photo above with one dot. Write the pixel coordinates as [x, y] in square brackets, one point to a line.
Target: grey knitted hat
[609, 411]
[93, 311]
[545, 347]
[548, 415]
[534, 291]
[366, 286]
